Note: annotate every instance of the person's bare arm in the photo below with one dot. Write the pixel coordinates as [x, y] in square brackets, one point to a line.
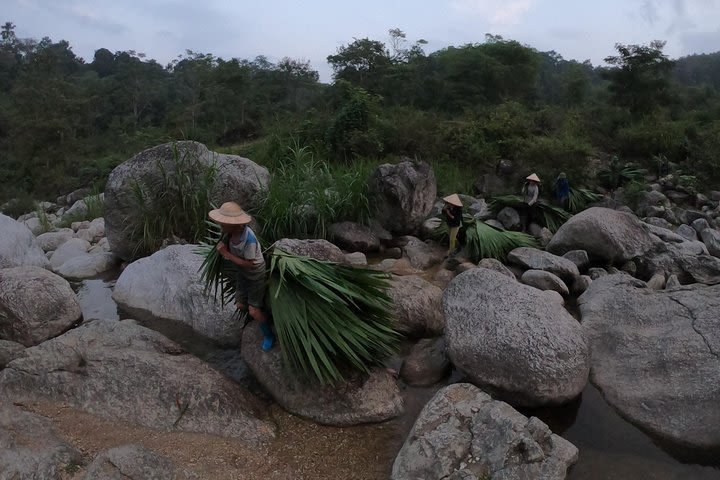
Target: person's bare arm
[225, 253]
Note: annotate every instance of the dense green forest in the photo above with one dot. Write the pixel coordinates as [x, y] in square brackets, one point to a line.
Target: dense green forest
[66, 122]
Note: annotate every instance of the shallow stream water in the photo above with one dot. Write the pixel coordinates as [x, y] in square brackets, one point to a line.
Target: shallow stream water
[610, 447]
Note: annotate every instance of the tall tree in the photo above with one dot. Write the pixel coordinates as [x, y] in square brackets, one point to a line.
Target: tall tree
[640, 77]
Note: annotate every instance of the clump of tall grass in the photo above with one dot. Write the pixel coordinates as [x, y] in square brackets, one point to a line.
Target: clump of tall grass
[308, 194]
[42, 216]
[174, 206]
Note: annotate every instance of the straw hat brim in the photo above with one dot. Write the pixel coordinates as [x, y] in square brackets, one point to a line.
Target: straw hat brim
[453, 199]
[219, 217]
[533, 177]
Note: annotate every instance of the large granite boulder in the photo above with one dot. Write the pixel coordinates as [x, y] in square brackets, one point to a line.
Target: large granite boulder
[74, 247]
[50, 241]
[18, 246]
[121, 370]
[514, 341]
[30, 448]
[534, 259]
[711, 239]
[543, 280]
[236, 178]
[402, 195]
[313, 248]
[604, 234]
[655, 356]
[35, 304]
[361, 399]
[88, 265]
[167, 285]
[134, 462]
[463, 434]
[354, 237]
[418, 306]
[9, 351]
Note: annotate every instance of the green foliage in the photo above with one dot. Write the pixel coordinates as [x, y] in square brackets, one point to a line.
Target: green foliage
[452, 177]
[580, 198]
[485, 241]
[44, 220]
[633, 192]
[616, 174]
[330, 318]
[306, 195]
[176, 205]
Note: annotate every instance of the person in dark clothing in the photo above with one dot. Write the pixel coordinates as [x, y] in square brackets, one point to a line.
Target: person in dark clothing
[562, 190]
[530, 193]
[452, 211]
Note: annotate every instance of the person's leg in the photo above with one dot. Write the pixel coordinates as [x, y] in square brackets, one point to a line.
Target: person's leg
[256, 300]
[453, 232]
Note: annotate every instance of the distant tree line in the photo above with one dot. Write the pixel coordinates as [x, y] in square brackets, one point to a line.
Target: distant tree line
[66, 122]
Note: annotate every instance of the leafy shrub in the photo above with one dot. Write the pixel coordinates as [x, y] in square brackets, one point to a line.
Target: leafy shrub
[306, 195]
[176, 206]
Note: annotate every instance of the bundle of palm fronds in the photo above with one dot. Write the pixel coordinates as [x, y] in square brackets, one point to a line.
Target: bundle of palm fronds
[485, 241]
[330, 319]
[580, 198]
[552, 217]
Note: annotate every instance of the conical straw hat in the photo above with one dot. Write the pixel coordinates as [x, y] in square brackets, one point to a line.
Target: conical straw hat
[533, 177]
[453, 200]
[230, 213]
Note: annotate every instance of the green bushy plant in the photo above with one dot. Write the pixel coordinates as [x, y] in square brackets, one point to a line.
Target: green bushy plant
[177, 205]
[306, 195]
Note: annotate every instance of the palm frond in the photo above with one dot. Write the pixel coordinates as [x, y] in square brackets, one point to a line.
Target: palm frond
[485, 241]
[580, 198]
[330, 318]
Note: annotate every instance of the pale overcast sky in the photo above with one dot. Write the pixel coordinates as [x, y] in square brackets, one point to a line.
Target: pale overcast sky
[313, 29]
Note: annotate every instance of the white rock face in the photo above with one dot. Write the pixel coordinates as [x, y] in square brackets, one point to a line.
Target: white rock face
[18, 246]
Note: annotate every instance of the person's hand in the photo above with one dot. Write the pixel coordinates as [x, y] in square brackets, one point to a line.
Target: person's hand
[223, 250]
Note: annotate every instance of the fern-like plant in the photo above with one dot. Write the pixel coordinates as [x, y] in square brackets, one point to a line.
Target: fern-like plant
[580, 198]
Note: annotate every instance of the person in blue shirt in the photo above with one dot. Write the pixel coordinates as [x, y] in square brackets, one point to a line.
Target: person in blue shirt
[562, 190]
[244, 251]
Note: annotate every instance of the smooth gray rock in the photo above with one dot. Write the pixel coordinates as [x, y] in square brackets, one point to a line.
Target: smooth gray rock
[317, 249]
[656, 282]
[50, 241]
[462, 433]
[543, 280]
[35, 305]
[496, 265]
[700, 224]
[711, 239]
[578, 257]
[167, 285]
[360, 399]
[685, 260]
[357, 259]
[134, 462]
[74, 247]
[18, 246]
[354, 237]
[532, 258]
[402, 195]
[581, 284]
[423, 255]
[77, 209]
[102, 246]
[672, 282]
[121, 370]
[597, 272]
[655, 356]
[9, 351]
[427, 229]
[687, 232]
[513, 340]
[510, 218]
[664, 234]
[88, 265]
[427, 363]
[418, 306]
[94, 231]
[30, 448]
[658, 222]
[237, 178]
[479, 208]
[604, 234]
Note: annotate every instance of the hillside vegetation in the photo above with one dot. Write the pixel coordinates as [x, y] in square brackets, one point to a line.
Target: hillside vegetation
[66, 122]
